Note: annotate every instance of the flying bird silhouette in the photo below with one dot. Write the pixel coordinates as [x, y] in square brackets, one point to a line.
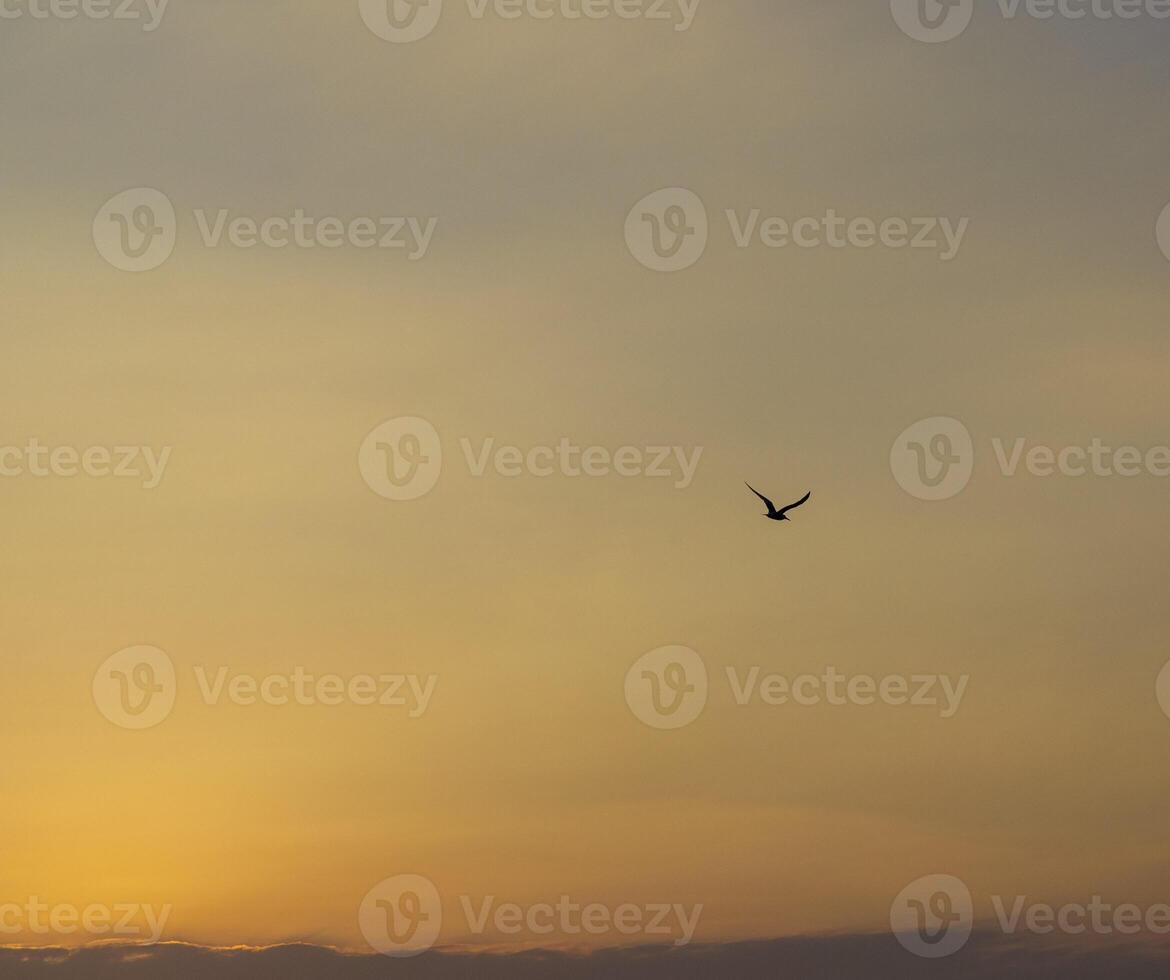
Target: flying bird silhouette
[774, 514]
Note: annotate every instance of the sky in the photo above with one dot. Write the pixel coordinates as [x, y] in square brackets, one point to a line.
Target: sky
[253, 536]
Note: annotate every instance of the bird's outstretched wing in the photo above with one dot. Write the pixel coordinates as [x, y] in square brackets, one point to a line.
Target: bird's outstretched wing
[802, 500]
[771, 506]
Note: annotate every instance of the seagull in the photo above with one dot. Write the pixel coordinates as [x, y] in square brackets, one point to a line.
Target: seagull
[774, 514]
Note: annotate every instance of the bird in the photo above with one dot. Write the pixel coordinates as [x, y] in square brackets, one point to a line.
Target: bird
[774, 514]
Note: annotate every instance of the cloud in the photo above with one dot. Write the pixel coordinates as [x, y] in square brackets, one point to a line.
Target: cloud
[865, 957]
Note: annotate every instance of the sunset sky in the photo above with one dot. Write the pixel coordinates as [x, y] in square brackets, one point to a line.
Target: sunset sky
[528, 599]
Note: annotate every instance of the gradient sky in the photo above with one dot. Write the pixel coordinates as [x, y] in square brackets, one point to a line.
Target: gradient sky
[529, 321]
